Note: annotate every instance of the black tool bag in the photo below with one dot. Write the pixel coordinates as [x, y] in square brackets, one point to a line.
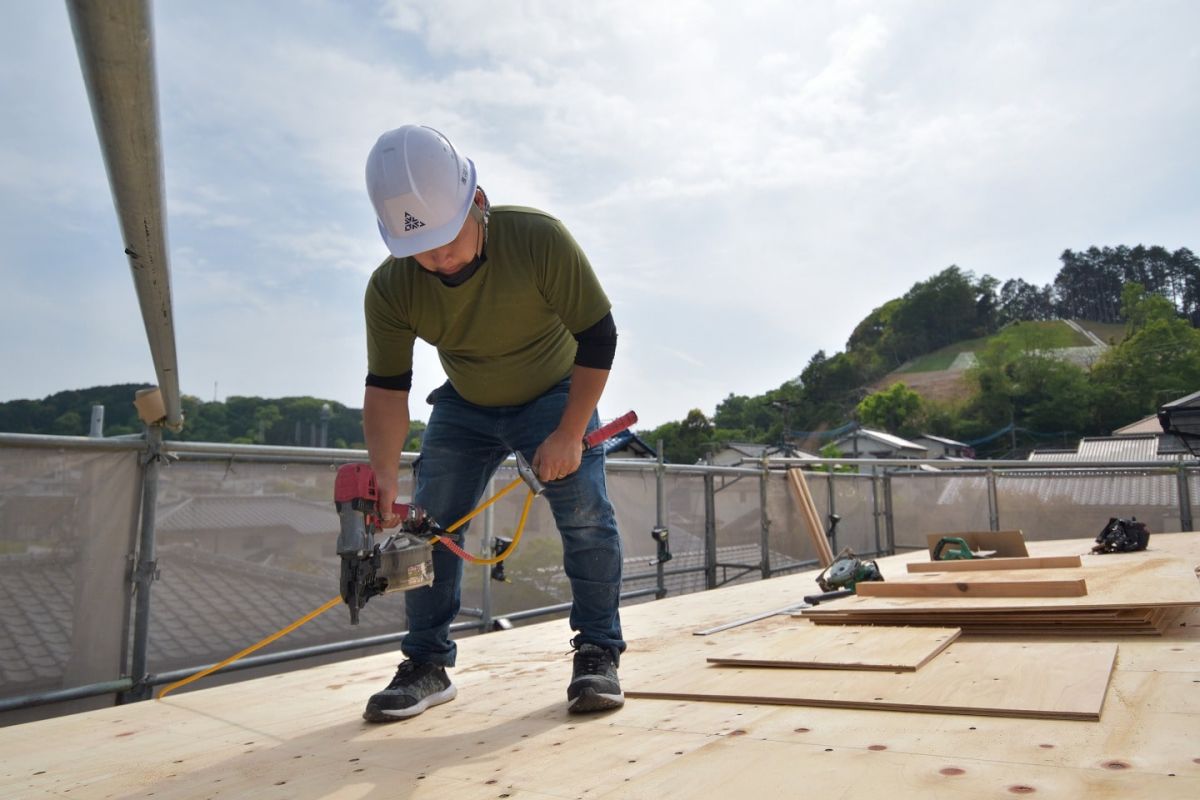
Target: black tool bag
[1122, 536]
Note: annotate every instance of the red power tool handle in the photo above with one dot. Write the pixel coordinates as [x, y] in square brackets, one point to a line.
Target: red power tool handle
[611, 429]
[354, 482]
[357, 482]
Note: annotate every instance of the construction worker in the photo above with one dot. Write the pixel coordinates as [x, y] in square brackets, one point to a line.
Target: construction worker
[525, 334]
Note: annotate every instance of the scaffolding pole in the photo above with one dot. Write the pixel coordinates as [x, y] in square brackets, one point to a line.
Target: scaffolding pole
[115, 42]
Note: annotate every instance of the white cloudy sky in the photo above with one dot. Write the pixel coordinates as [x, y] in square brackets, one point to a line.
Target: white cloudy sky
[748, 179]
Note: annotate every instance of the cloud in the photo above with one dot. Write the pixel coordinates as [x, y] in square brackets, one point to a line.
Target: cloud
[748, 185]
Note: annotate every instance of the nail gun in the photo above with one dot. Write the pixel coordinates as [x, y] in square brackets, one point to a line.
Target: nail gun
[402, 561]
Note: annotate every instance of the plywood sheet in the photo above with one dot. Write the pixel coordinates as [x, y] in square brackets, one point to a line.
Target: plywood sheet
[844, 647]
[977, 564]
[1131, 580]
[508, 731]
[1079, 622]
[1047, 681]
[1098, 615]
[973, 588]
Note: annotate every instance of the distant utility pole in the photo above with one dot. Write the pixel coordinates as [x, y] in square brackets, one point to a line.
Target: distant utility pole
[785, 406]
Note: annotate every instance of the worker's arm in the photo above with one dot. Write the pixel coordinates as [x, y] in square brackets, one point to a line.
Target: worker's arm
[385, 427]
[559, 455]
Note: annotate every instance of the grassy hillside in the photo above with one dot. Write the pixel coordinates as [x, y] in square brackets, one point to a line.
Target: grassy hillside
[941, 359]
[1049, 335]
[932, 377]
[1109, 332]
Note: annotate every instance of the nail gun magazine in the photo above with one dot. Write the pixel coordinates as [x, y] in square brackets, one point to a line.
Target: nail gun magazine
[402, 561]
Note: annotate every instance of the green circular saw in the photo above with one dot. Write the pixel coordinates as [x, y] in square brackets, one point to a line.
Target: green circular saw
[847, 571]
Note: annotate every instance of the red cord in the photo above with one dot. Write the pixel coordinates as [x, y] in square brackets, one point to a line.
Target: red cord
[458, 551]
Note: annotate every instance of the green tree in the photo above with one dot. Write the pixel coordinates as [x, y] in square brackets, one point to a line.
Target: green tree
[831, 386]
[895, 410]
[872, 338]
[1090, 284]
[69, 423]
[1024, 301]
[745, 418]
[685, 442]
[1020, 382]
[831, 450]
[1050, 396]
[416, 434]
[1158, 363]
[265, 418]
[944, 309]
[238, 419]
[1141, 308]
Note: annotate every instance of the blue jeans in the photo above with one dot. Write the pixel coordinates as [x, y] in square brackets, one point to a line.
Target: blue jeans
[463, 445]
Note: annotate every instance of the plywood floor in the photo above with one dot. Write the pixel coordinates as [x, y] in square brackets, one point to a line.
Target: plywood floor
[299, 735]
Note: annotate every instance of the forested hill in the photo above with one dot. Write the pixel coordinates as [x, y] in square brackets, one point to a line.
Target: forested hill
[1017, 385]
[282, 421]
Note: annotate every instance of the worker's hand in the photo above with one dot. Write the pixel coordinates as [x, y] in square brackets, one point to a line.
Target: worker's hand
[557, 457]
[386, 486]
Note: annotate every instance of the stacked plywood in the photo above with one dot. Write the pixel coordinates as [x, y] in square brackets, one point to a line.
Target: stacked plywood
[859, 662]
[1041, 681]
[1127, 593]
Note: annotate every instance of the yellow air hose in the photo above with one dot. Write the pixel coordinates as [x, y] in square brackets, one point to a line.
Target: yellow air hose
[279, 634]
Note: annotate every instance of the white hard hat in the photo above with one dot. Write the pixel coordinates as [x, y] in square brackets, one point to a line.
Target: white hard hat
[421, 187]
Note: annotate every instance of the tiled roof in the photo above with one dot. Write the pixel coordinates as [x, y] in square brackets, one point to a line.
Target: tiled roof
[1115, 448]
[35, 620]
[1130, 448]
[203, 608]
[225, 512]
[1109, 490]
[739, 452]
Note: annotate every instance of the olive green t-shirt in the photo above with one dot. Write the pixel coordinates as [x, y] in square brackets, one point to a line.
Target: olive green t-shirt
[505, 335]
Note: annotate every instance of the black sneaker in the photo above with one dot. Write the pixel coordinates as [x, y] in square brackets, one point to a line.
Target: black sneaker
[594, 685]
[415, 688]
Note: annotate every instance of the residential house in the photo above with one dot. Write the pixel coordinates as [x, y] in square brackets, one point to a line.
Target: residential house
[628, 444]
[940, 447]
[866, 443]
[742, 453]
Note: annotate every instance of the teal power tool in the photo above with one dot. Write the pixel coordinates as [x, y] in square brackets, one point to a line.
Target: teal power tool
[955, 548]
[845, 573]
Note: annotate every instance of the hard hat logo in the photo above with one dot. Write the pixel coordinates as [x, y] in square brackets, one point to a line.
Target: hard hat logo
[422, 189]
